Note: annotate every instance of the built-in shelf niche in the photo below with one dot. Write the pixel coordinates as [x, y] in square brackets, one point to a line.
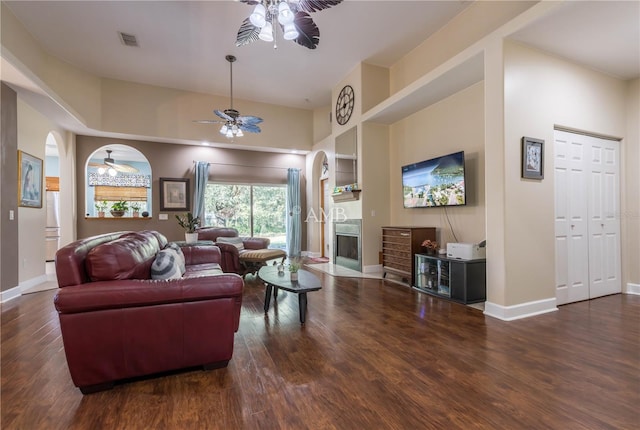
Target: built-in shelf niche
[346, 196]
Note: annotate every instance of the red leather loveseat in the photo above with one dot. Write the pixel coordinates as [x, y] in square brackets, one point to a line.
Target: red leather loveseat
[118, 323]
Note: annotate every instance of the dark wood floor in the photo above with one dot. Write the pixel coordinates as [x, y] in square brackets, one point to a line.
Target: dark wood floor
[373, 355]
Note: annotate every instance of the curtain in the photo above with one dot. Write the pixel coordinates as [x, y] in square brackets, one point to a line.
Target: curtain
[294, 221]
[201, 179]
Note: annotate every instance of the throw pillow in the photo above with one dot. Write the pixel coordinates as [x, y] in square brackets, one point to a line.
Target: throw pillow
[165, 266]
[178, 250]
[235, 241]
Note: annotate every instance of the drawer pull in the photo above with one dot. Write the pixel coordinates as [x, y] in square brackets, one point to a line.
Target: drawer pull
[404, 234]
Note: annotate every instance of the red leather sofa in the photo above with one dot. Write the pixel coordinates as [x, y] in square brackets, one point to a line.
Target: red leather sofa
[230, 254]
[118, 323]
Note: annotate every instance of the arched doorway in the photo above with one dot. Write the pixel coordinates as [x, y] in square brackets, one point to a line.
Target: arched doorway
[117, 177]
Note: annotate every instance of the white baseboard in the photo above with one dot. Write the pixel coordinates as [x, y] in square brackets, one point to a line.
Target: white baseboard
[633, 288]
[372, 269]
[10, 294]
[522, 310]
[32, 283]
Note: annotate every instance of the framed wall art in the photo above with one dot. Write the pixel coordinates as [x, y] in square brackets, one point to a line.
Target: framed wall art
[29, 180]
[532, 158]
[174, 194]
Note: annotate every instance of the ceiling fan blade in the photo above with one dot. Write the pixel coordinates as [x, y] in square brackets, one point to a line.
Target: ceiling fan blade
[223, 115]
[247, 33]
[251, 128]
[249, 119]
[208, 121]
[314, 5]
[94, 164]
[123, 168]
[309, 33]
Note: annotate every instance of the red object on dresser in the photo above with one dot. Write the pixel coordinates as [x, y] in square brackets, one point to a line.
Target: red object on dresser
[118, 323]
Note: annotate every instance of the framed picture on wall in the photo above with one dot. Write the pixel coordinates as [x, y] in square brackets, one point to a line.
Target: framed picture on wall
[532, 158]
[29, 180]
[174, 194]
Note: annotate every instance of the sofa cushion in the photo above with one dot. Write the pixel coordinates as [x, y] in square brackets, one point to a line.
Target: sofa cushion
[165, 265]
[178, 250]
[235, 241]
[129, 257]
[206, 269]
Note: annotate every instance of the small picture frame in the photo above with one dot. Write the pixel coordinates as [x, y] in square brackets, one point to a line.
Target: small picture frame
[532, 158]
[30, 176]
[174, 194]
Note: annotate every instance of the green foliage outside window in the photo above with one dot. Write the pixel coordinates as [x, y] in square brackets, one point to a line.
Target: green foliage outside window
[229, 205]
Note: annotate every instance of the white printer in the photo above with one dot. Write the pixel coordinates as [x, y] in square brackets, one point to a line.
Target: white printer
[466, 251]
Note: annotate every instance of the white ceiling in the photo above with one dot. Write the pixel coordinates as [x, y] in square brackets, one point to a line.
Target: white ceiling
[183, 44]
[604, 35]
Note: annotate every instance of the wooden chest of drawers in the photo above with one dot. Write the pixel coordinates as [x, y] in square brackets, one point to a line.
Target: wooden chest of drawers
[399, 245]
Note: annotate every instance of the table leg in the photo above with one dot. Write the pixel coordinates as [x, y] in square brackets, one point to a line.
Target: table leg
[302, 305]
[275, 292]
[267, 297]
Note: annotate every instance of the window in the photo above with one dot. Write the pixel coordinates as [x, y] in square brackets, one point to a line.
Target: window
[254, 210]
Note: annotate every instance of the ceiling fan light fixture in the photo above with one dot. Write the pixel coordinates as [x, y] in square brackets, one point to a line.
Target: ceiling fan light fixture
[239, 133]
[101, 170]
[290, 32]
[258, 17]
[229, 133]
[285, 15]
[266, 33]
[112, 172]
[223, 129]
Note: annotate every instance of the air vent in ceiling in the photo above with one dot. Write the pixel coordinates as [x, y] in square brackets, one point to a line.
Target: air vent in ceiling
[128, 39]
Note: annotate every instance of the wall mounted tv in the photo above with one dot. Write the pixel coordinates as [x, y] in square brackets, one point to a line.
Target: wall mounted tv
[435, 182]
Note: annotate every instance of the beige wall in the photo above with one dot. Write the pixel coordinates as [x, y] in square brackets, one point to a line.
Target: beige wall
[77, 91]
[542, 91]
[165, 113]
[631, 185]
[470, 26]
[33, 129]
[454, 124]
[176, 161]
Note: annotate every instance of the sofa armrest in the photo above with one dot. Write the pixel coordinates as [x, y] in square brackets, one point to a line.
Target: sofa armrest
[201, 254]
[256, 242]
[130, 293]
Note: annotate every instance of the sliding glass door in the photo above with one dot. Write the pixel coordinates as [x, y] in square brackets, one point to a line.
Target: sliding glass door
[254, 210]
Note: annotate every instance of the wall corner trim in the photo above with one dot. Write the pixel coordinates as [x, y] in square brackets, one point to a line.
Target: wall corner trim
[10, 294]
[633, 288]
[522, 310]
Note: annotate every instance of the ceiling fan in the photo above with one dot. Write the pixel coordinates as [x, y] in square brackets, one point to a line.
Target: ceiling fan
[111, 163]
[233, 124]
[290, 15]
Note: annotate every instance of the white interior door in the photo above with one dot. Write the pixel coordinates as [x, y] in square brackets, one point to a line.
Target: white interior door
[572, 257]
[604, 224]
[586, 226]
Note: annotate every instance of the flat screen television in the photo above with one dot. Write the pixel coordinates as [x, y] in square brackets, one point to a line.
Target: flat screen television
[435, 182]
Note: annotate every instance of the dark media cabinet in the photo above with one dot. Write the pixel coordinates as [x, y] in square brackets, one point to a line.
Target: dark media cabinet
[463, 281]
[399, 245]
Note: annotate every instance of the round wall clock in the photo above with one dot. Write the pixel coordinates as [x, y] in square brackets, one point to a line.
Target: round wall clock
[344, 104]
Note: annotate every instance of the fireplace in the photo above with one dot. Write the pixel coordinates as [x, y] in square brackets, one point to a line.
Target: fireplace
[347, 244]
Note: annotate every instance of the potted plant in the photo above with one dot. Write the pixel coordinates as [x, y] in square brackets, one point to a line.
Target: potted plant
[118, 209]
[189, 223]
[135, 208]
[101, 207]
[430, 246]
[294, 266]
